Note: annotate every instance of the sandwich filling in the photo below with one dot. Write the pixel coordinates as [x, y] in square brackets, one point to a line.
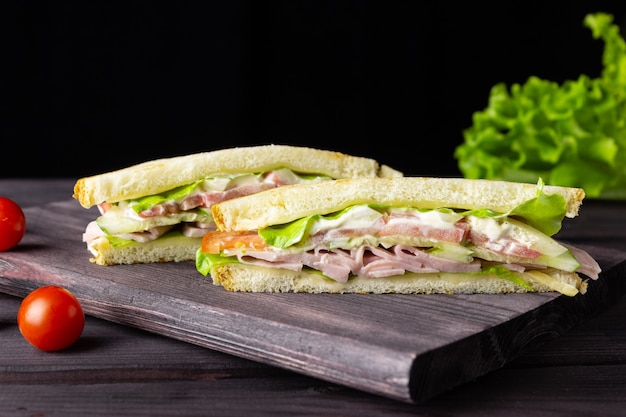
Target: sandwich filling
[373, 241]
[184, 210]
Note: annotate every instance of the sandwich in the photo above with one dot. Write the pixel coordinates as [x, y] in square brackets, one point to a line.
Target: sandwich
[398, 235]
[158, 211]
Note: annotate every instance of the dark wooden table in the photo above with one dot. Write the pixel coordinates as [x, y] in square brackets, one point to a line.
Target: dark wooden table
[119, 370]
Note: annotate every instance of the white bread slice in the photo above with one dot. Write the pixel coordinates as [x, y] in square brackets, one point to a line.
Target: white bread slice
[177, 248]
[251, 278]
[288, 203]
[156, 176]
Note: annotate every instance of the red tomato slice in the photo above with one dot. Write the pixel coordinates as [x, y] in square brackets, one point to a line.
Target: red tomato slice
[216, 242]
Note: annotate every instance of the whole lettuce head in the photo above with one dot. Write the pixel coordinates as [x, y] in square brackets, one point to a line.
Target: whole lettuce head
[572, 134]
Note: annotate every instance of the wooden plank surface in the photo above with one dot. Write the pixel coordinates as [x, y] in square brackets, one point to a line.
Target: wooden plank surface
[406, 347]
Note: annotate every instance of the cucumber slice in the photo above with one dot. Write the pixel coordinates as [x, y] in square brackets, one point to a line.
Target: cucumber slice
[496, 229]
[452, 251]
[565, 261]
[536, 239]
[116, 225]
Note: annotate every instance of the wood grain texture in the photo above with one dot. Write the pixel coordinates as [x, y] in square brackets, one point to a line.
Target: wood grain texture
[405, 347]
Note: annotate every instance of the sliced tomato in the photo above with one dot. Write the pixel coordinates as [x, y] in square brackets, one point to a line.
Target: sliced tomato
[104, 207]
[216, 242]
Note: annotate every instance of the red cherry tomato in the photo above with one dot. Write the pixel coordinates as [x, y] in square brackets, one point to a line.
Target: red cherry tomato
[51, 318]
[12, 223]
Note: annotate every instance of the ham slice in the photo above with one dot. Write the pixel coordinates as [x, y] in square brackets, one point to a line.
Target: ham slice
[271, 179]
[588, 265]
[365, 261]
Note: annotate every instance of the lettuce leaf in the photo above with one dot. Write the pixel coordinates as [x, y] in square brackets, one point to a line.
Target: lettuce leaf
[573, 134]
[205, 262]
[145, 203]
[289, 234]
[544, 212]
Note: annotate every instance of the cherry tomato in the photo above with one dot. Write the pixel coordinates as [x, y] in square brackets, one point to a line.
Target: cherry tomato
[51, 318]
[12, 223]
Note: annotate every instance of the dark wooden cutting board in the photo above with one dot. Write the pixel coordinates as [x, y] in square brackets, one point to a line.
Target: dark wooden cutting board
[406, 347]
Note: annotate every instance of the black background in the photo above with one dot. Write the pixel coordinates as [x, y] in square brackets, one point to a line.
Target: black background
[88, 87]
